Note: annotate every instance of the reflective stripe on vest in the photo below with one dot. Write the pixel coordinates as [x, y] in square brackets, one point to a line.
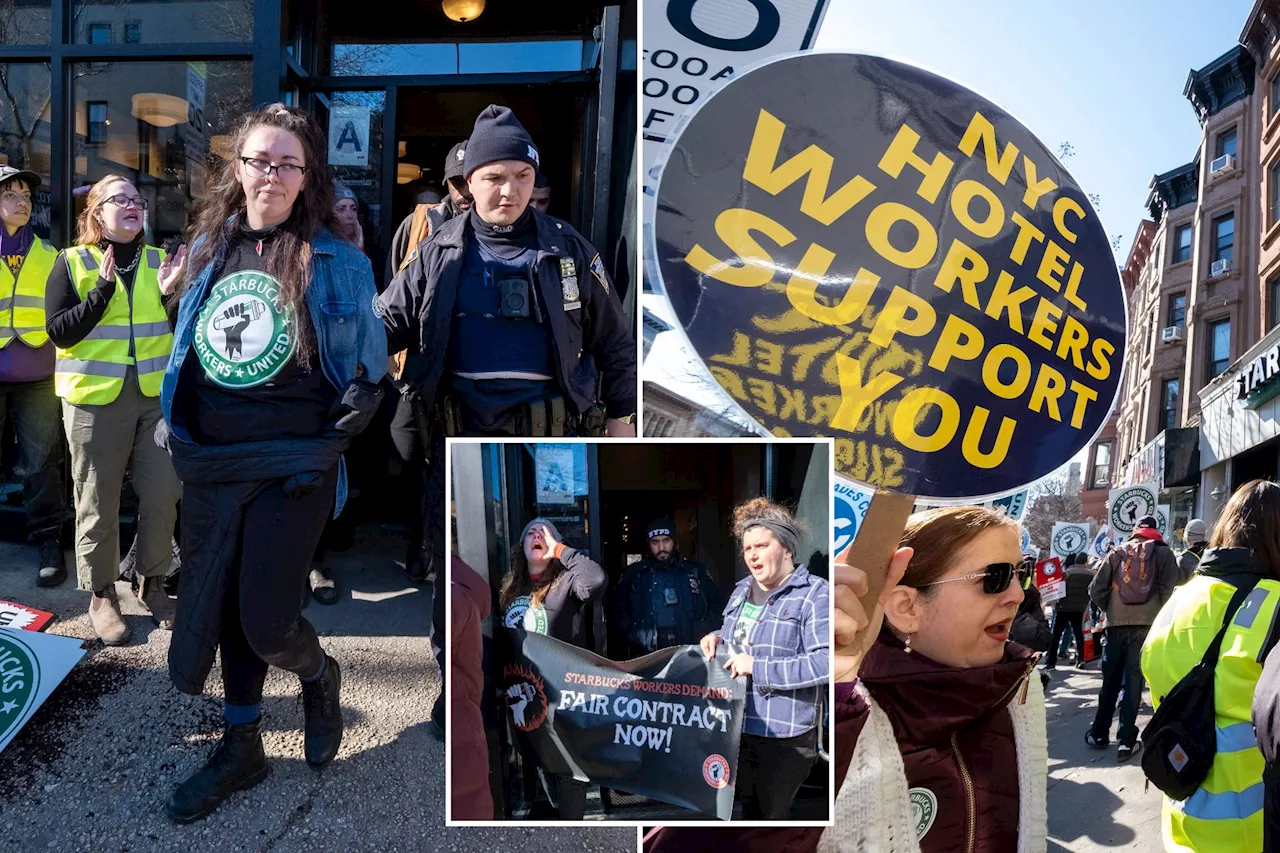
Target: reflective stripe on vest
[22, 312]
[1226, 812]
[92, 372]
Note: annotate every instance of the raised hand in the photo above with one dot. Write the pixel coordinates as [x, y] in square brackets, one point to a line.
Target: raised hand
[109, 264]
[171, 270]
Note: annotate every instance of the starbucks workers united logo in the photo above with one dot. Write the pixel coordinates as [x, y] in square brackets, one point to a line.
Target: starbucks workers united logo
[243, 336]
[19, 680]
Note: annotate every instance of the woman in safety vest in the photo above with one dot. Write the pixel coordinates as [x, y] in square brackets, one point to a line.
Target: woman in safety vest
[276, 359]
[26, 371]
[1226, 812]
[106, 316]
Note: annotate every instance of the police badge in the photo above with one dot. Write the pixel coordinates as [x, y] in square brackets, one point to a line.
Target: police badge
[568, 281]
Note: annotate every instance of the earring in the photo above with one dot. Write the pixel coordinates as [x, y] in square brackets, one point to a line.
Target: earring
[908, 644]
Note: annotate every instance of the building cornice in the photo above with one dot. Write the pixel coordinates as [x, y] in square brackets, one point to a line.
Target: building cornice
[1261, 29]
[1227, 79]
[1174, 188]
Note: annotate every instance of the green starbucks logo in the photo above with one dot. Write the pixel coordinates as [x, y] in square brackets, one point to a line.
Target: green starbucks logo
[243, 336]
[924, 808]
[19, 678]
[1129, 507]
[523, 613]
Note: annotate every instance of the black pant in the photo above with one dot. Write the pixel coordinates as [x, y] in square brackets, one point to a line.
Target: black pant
[1121, 667]
[262, 620]
[571, 796]
[770, 772]
[1061, 622]
[434, 522]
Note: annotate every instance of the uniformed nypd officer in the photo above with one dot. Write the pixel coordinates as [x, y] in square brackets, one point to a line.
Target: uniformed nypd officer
[512, 310]
[515, 321]
[664, 600]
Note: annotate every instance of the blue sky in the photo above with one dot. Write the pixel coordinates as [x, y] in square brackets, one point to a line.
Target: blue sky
[1107, 77]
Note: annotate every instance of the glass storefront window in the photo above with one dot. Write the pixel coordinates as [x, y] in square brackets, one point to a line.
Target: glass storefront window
[354, 124]
[561, 491]
[24, 129]
[162, 125]
[498, 57]
[24, 21]
[159, 21]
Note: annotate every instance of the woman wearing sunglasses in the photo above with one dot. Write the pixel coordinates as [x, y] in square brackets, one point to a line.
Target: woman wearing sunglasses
[939, 727]
[276, 360]
[106, 316]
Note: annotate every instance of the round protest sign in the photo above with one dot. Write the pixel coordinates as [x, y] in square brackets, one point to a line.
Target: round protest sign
[862, 249]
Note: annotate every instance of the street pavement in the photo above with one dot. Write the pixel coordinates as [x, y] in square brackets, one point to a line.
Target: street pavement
[91, 770]
[1095, 802]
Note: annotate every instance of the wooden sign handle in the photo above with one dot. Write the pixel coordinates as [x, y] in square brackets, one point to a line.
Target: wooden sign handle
[872, 550]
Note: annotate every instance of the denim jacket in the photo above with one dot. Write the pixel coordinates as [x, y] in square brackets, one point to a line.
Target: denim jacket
[349, 337]
[791, 648]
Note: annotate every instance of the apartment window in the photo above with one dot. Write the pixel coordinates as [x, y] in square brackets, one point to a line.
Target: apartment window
[1100, 476]
[1273, 191]
[1275, 94]
[1224, 236]
[1169, 403]
[1182, 244]
[99, 34]
[1273, 304]
[1218, 348]
[1226, 144]
[1178, 310]
[97, 130]
[133, 32]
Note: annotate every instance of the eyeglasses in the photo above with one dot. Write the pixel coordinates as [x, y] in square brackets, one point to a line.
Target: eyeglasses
[995, 577]
[10, 197]
[263, 169]
[128, 201]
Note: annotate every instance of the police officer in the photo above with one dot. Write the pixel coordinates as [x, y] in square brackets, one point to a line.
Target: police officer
[431, 214]
[511, 309]
[665, 600]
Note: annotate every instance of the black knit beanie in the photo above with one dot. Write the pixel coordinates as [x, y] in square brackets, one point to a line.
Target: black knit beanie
[498, 135]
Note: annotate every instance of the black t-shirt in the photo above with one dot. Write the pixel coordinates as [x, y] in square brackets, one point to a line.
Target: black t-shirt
[563, 609]
[246, 382]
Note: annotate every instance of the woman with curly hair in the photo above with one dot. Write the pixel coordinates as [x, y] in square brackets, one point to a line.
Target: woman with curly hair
[776, 630]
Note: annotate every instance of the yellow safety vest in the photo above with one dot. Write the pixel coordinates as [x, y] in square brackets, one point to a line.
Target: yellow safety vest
[92, 372]
[1225, 813]
[22, 300]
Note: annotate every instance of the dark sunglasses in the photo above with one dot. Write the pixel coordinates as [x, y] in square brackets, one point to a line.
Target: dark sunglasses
[995, 577]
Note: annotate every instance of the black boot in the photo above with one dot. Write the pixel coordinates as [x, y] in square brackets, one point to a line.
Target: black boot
[236, 764]
[323, 712]
[437, 718]
[53, 565]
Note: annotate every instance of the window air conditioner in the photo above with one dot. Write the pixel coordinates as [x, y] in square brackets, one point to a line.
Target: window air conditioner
[1171, 334]
[1221, 164]
[1222, 266]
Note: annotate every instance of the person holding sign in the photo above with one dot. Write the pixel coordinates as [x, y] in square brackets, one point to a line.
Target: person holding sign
[940, 740]
[1242, 561]
[775, 627]
[276, 359]
[549, 590]
[106, 316]
[1131, 586]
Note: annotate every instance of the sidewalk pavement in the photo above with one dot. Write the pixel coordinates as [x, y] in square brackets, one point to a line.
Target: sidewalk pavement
[93, 767]
[1095, 802]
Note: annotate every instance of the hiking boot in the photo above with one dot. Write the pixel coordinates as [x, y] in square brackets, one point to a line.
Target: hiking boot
[323, 589]
[323, 713]
[152, 595]
[105, 617]
[237, 763]
[53, 566]
[1127, 750]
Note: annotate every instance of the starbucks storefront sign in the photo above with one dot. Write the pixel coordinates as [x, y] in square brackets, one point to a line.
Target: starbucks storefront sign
[31, 666]
[1257, 381]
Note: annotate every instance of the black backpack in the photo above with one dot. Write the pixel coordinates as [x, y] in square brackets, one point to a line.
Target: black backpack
[1181, 740]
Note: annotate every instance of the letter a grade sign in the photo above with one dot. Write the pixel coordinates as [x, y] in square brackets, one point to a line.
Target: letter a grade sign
[904, 267]
[349, 136]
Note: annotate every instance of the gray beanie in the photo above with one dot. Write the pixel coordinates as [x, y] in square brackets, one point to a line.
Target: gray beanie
[554, 531]
[784, 531]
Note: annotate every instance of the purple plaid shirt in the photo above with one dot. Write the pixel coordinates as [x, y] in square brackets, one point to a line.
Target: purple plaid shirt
[791, 651]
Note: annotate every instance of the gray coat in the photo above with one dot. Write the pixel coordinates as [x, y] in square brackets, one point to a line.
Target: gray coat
[1120, 614]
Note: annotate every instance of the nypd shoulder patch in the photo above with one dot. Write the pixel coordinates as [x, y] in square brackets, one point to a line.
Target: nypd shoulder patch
[597, 269]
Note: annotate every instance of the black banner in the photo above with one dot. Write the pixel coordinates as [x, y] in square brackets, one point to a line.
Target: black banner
[664, 726]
